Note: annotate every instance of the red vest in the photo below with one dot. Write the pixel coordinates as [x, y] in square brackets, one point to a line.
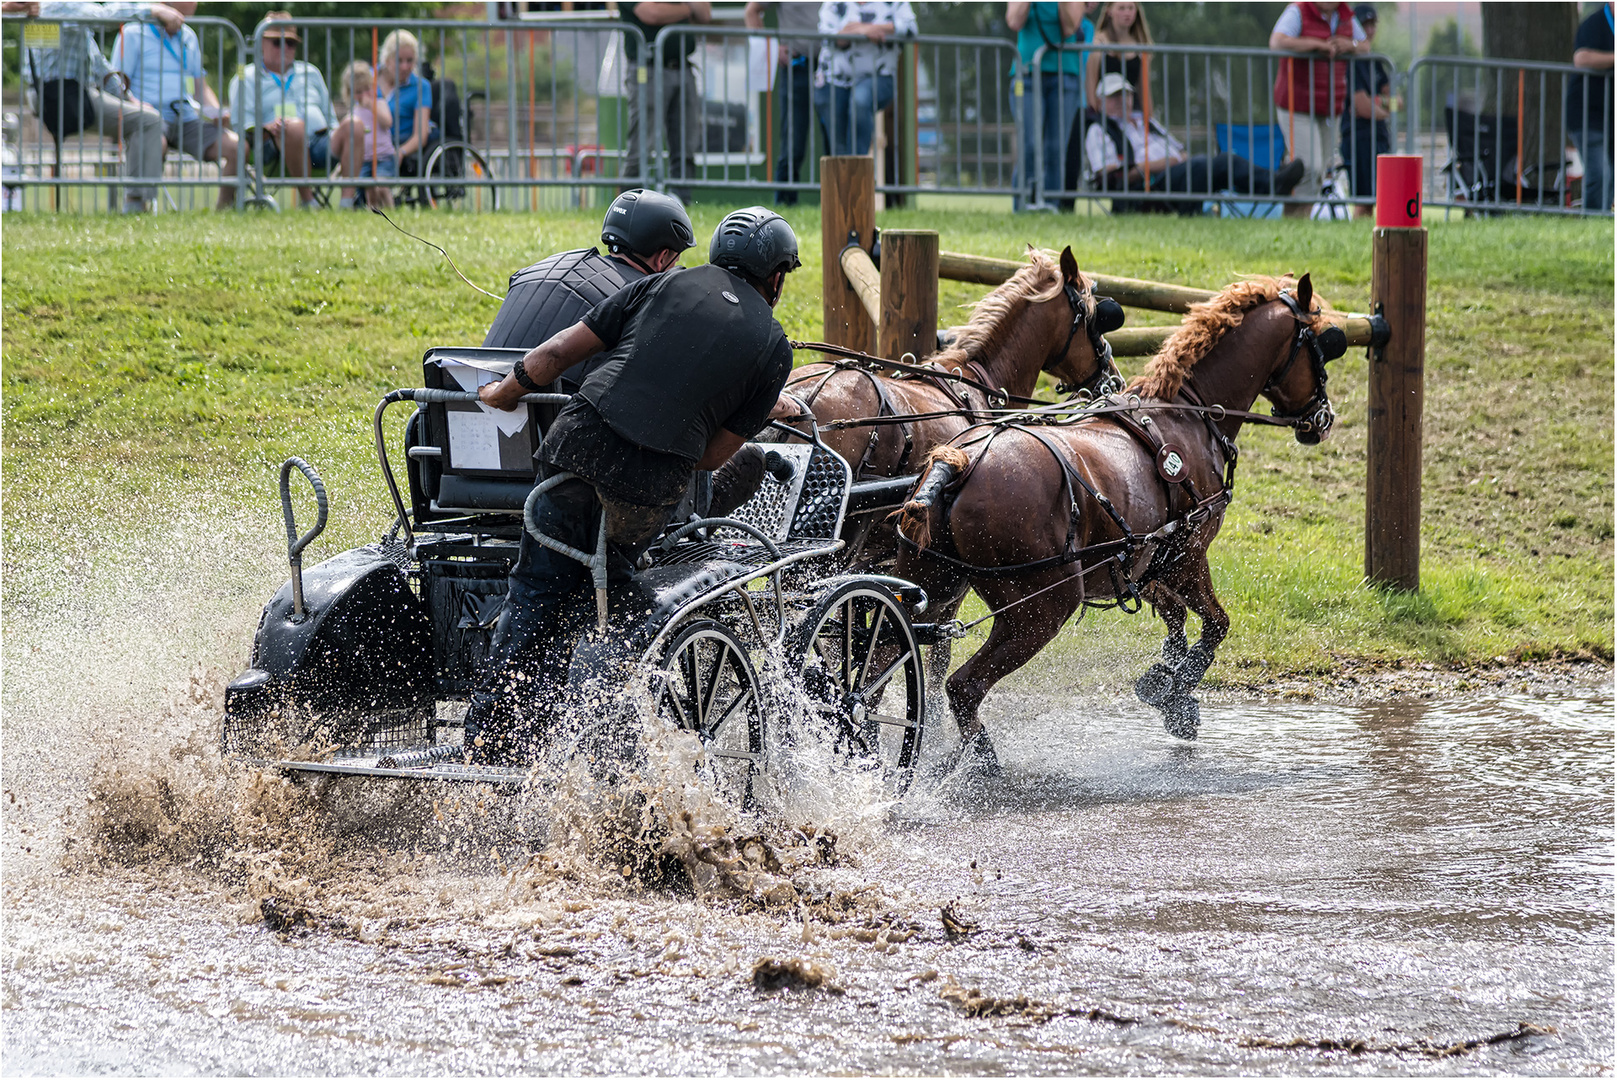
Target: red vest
[1315, 85]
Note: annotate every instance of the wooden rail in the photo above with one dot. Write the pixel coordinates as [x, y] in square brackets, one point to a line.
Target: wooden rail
[1130, 292]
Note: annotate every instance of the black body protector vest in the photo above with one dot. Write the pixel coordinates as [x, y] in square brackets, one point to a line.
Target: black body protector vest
[552, 295]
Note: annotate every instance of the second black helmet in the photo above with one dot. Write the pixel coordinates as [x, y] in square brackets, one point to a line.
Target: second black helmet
[645, 222]
[756, 242]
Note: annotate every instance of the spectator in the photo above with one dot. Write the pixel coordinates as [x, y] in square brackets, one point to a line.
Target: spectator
[858, 79]
[681, 97]
[1364, 124]
[1121, 23]
[362, 141]
[409, 100]
[797, 56]
[1057, 82]
[164, 68]
[1589, 108]
[286, 101]
[1124, 157]
[1311, 91]
[71, 88]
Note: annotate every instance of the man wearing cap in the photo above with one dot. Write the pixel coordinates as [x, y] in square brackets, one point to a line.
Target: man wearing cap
[1125, 156]
[1364, 123]
[1311, 89]
[688, 365]
[74, 88]
[286, 102]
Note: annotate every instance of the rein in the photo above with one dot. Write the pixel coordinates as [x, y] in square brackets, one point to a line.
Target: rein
[992, 395]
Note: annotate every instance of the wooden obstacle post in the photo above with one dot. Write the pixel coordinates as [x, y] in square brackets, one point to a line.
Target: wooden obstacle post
[909, 293]
[1392, 492]
[847, 205]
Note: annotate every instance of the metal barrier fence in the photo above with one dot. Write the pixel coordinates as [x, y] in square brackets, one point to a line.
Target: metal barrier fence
[940, 121]
[549, 113]
[1475, 121]
[1219, 131]
[76, 118]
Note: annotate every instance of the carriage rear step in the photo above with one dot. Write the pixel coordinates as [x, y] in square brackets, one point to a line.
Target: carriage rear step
[440, 763]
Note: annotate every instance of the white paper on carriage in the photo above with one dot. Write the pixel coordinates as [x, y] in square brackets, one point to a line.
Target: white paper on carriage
[475, 430]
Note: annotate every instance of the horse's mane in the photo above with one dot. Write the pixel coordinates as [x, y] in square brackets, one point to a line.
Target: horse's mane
[993, 318]
[1203, 327]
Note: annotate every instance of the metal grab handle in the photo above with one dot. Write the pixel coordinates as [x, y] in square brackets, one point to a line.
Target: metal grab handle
[596, 563]
[430, 395]
[295, 543]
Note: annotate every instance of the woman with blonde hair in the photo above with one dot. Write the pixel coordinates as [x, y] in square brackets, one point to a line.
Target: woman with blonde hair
[409, 97]
[1121, 22]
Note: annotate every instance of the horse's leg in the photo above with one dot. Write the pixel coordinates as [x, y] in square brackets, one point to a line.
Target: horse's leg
[1181, 713]
[943, 611]
[1157, 683]
[1012, 642]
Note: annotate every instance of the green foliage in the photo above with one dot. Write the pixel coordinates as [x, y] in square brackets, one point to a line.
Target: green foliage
[192, 353]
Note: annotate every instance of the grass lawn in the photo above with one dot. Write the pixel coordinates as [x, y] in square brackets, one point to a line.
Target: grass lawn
[156, 372]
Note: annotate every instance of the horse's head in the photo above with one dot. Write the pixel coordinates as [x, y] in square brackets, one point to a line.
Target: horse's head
[1083, 361]
[1297, 390]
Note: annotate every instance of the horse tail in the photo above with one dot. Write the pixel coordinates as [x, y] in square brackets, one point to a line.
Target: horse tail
[922, 516]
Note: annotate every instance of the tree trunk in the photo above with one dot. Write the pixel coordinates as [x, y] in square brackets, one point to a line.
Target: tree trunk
[1541, 32]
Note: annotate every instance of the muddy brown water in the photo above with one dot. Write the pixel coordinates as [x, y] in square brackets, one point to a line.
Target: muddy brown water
[1412, 887]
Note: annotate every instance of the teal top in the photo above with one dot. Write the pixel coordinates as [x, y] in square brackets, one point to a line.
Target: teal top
[1043, 27]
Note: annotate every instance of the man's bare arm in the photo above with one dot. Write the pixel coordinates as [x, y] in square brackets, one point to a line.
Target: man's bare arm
[720, 448]
[663, 14]
[1593, 59]
[543, 364]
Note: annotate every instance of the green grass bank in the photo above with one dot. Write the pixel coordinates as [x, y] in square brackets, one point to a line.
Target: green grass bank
[187, 355]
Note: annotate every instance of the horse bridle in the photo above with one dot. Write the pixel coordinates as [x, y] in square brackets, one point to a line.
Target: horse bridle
[1107, 379]
[1315, 416]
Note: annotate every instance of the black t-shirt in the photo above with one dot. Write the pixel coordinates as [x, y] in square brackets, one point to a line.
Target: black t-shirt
[687, 352]
[553, 294]
[674, 54]
[1595, 32]
[1371, 77]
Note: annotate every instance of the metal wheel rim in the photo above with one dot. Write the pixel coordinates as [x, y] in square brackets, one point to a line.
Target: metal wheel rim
[709, 688]
[847, 649]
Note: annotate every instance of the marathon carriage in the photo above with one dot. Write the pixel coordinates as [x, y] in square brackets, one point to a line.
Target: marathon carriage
[739, 629]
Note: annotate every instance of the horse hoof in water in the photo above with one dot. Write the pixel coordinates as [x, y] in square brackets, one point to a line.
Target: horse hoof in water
[1181, 716]
[976, 757]
[1155, 685]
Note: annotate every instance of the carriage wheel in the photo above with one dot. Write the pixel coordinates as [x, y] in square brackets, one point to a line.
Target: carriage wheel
[474, 166]
[862, 671]
[711, 689]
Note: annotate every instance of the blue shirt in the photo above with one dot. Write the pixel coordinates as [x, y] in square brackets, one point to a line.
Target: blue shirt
[1043, 28]
[163, 70]
[404, 101]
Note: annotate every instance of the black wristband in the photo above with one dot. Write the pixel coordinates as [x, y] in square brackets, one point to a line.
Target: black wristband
[523, 380]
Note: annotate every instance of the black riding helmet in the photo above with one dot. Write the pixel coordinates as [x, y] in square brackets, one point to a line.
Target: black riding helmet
[642, 222]
[756, 242]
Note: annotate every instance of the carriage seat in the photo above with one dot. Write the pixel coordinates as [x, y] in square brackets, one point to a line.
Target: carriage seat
[465, 458]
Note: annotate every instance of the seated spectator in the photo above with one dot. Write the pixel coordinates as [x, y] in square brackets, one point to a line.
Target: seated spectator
[409, 99]
[1124, 157]
[70, 80]
[1364, 124]
[362, 141]
[1589, 108]
[858, 79]
[164, 70]
[286, 101]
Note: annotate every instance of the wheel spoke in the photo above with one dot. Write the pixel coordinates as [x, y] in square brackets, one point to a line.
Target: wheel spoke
[879, 683]
[894, 721]
[713, 728]
[847, 644]
[673, 696]
[875, 640]
[718, 670]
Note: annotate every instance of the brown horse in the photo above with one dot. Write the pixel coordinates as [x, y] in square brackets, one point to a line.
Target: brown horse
[1119, 506]
[1045, 318]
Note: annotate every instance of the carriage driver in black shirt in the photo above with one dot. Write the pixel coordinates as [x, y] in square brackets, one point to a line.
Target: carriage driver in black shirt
[692, 365]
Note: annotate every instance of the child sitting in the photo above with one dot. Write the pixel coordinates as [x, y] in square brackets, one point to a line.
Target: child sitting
[364, 141]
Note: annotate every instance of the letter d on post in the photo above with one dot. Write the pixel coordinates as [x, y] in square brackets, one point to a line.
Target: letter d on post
[1397, 377]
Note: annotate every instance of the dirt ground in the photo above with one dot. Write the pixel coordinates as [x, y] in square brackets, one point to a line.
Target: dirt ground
[1358, 680]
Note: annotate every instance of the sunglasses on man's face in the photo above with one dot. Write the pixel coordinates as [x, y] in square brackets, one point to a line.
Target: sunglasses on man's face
[284, 43]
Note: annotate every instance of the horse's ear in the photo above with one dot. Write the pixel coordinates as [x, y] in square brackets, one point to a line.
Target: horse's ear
[1069, 265]
[1305, 293]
